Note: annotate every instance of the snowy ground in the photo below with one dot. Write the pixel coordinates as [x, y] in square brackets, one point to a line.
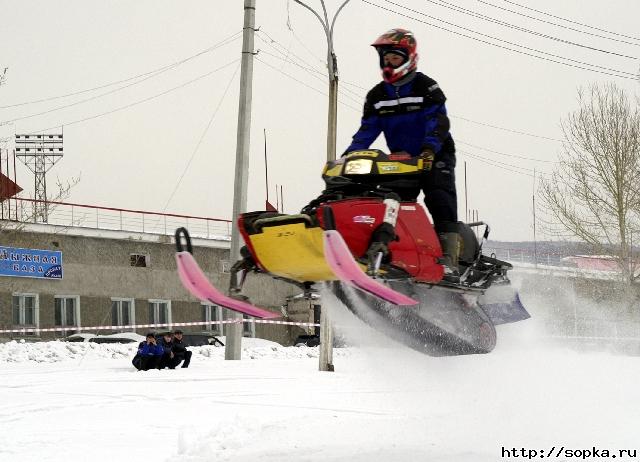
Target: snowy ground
[77, 402]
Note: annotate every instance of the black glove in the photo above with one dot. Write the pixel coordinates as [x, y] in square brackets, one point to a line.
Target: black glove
[427, 159]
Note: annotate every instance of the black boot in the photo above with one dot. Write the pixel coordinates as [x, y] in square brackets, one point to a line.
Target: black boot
[450, 243]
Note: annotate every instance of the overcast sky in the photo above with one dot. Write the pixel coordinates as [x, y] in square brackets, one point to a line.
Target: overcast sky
[136, 142]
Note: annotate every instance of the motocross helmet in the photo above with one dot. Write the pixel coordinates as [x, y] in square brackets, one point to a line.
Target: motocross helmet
[404, 44]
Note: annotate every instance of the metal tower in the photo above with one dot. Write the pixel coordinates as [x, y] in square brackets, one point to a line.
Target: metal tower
[39, 153]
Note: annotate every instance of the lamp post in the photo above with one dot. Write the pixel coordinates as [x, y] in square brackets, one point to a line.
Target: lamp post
[332, 67]
[326, 331]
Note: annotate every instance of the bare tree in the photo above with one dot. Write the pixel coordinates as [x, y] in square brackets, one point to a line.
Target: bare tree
[594, 194]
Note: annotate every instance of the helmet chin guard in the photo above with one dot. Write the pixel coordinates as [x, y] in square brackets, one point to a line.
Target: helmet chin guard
[401, 40]
[392, 74]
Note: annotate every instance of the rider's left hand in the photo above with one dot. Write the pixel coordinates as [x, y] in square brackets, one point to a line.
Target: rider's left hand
[427, 156]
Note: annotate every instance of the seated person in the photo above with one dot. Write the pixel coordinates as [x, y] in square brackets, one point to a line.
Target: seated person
[180, 351]
[166, 342]
[149, 354]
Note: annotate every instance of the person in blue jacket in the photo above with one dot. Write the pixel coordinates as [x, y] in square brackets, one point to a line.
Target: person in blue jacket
[409, 108]
[149, 354]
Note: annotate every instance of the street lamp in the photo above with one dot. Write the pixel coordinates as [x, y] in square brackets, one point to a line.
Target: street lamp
[332, 66]
[326, 332]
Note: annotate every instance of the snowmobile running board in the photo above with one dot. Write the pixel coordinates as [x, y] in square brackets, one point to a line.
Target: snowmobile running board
[341, 262]
[196, 282]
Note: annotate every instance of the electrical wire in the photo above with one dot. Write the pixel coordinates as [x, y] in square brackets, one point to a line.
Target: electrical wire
[570, 21]
[115, 90]
[616, 73]
[516, 156]
[304, 83]
[271, 41]
[506, 129]
[223, 42]
[475, 14]
[307, 67]
[558, 25]
[507, 167]
[121, 108]
[202, 136]
[316, 76]
[92, 98]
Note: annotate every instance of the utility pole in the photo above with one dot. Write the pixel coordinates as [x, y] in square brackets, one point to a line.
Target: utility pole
[535, 243]
[326, 330]
[466, 202]
[233, 345]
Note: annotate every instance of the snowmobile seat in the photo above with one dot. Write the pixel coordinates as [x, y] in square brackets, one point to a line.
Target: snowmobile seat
[282, 220]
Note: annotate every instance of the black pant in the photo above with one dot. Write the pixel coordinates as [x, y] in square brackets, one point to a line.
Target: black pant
[439, 187]
[144, 363]
[186, 356]
[172, 363]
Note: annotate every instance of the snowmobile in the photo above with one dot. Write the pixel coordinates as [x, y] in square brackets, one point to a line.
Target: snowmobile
[374, 247]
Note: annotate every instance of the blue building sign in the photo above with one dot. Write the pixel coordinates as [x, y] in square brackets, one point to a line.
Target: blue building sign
[30, 263]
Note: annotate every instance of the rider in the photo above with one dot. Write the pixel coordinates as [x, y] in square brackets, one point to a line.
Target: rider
[408, 107]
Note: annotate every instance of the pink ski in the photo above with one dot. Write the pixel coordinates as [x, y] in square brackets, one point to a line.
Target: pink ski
[195, 281]
[339, 258]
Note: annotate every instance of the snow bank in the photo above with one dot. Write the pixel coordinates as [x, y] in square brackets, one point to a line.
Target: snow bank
[56, 351]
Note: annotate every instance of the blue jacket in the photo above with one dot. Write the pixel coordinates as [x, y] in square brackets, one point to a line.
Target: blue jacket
[412, 117]
[150, 349]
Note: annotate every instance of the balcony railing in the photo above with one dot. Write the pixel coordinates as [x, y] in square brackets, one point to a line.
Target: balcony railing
[110, 218]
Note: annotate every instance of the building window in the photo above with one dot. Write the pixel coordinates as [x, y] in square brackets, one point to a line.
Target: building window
[248, 328]
[212, 313]
[139, 260]
[26, 312]
[159, 312]
[66, 312]
[123, 312]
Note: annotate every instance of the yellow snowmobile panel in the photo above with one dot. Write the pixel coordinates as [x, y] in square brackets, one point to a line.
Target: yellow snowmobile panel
[292, 251]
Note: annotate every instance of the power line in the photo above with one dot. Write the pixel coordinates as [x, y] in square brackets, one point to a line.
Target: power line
[616, 74]
[121, 108]
[115, 90]
[316, 76]
[559, 25]
[307, 67]
[304, 83]
[497, 162]
[506, 129]
[571, 21]
[271, 41]
[224, 42]
[459, 141]
[500, 165]
[475, 14]
[202, 136]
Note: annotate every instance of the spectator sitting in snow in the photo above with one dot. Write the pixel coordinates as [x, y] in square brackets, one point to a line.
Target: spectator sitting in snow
[180, 351]
[149, 354]
[166, 342]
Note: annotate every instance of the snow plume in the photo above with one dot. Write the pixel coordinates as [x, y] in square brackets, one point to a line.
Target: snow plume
[381, 356]
[581, 314]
